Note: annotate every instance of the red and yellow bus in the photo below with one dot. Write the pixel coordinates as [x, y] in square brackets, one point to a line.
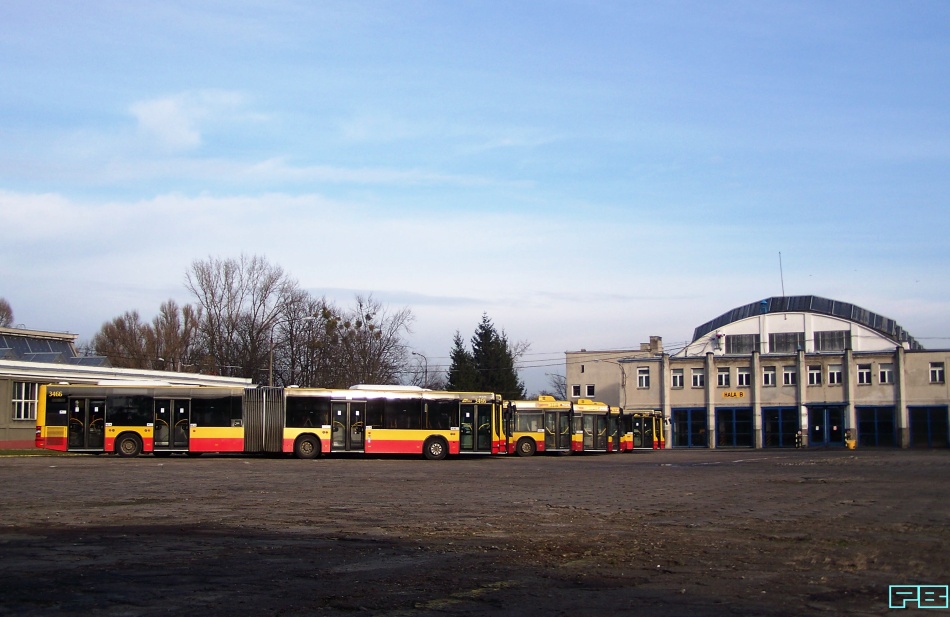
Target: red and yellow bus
[642, 430]
[129, 420]
[543, 425]
[596, 427]
[550, 425]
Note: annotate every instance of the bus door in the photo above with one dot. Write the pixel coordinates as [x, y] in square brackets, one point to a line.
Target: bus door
[557, 429]
[172, 423]
[86, 424]
[601, 431]
[589, 431]
[475, 428]
[596, 431]
[646, 431]
[348, 420]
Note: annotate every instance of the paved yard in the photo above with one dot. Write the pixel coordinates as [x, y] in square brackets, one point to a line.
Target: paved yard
[665, 533]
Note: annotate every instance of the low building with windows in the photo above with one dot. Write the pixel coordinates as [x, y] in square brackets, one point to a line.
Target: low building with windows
[29, 358]
[783, 372]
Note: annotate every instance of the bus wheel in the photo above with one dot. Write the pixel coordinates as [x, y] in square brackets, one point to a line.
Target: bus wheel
[435, 449]
[128, 445]
[307, 447]
[526, 447]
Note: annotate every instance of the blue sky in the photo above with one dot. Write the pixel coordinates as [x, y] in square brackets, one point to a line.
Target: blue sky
[588, 173]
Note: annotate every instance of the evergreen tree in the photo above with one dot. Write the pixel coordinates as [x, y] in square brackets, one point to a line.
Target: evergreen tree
[489, 367]
[463, 377]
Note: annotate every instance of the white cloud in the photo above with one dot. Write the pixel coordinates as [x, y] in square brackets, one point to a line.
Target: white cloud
[176, 121]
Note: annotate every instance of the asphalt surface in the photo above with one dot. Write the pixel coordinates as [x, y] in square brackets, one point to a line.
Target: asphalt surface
[675, 532]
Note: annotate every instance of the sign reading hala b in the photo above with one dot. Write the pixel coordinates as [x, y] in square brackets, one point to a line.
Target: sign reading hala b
[733, 394]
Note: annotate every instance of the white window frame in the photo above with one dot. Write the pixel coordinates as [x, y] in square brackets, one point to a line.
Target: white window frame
[835, 376]
[744, 377]
[575, 390]
[814, 375]
[768, 376]
[864, 374]
[699, 377]
[643, 377]
[590, 389]
[789, 376]
[24, 400]
[723, 376]
[676, 378]
[885, 373]
[937, 372]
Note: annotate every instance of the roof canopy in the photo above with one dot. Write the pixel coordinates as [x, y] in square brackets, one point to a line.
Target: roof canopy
[812, 304]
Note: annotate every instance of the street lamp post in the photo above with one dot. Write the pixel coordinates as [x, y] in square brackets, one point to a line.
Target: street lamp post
[425, 379]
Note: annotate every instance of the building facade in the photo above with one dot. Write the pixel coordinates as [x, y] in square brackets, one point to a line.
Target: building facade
[784, 372]
[29, 358]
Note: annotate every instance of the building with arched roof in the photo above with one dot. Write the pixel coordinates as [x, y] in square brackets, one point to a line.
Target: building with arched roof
[782, 372]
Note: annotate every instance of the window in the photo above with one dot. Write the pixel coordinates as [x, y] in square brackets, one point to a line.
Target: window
[864, 374]
[768, 376]
[742, 343]
[789, 376]
[786, 342]
[529, 422]
[814, 375]
[886, 373]
[677, 377]
[834, 374]
[744, 377]
[833, 340]
[699, 378]
[576, 390]
[643, 377]
[937, 374]
[722, 377]
[24, 400]
[582, 368]
[590, 390]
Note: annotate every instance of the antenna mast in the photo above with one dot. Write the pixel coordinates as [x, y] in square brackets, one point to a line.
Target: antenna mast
[781, 272]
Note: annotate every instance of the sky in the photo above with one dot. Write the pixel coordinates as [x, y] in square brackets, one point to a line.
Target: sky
[587, 173]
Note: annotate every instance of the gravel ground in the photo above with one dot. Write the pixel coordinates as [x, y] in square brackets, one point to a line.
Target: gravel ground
[674, 532]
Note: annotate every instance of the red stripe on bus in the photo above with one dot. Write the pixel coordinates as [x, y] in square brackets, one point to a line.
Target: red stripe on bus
[216, 444]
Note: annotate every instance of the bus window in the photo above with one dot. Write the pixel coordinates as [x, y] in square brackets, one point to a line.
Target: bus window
[529, 422]
[216, 411]
[442, 415]
[130, 410]
[308, 412]
[403, 413]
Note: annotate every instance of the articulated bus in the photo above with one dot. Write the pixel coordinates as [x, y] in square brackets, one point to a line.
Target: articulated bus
[549, 425]
[642, 430]
[128, 420]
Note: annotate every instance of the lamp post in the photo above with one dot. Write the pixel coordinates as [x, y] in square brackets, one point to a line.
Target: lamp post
[425, 380]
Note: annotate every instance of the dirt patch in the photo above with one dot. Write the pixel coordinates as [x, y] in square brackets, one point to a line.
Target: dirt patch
[657, 533]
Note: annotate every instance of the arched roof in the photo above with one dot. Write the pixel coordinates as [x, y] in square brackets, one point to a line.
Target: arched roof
[812, 304]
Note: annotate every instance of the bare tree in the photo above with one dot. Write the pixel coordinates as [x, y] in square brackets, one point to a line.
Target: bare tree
[244, 301]
[124, 341]
[169, 343]
[372, 350]
[6, 314]
[558, 386]
[304, 347]
[172, 338]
